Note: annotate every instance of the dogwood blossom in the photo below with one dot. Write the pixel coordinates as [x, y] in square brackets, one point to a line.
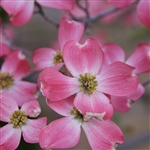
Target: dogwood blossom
[13, 69]
[101, 134]
[89, 83]
[18, 122]
[140, 59]
[48, 57]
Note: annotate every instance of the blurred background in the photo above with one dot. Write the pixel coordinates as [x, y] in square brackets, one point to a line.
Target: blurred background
[38, 33]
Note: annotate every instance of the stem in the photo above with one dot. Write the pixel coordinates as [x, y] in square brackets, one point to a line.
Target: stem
[146, 82]
[41, 12]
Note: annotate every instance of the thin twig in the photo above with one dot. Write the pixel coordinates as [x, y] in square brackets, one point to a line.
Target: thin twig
[41, 12]
[146, 82]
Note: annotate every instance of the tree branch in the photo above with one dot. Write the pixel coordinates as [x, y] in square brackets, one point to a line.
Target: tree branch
[41, 12]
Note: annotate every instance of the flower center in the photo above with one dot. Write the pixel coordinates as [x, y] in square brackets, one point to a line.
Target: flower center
[88, 83]
[18, 118]
[58, 58]
[76, 113]
[6, 80]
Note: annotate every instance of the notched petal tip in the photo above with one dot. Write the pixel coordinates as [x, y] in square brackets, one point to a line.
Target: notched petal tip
[21, 56]
[90, 115]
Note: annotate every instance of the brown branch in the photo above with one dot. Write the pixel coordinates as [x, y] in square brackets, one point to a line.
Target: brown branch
[146, 82]
[41, 12]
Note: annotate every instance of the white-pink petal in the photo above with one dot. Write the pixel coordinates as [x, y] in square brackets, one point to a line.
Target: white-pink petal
[102, 135]
[69, 30]
[32, 108]
[9, 137]
[62, 107]
[95, 103]
[7, 106]
[43, 57]
[61, 133]
[117, 79]
[32, 129]
[83, 58]
[56, 86]
[140, 58]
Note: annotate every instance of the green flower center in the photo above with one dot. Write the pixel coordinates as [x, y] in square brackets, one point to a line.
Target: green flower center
[6, 80]
[88, 83]
[76, 113]
[18, 118]
[58, 58]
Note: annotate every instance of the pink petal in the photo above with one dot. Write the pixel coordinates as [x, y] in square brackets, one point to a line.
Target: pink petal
[61, 133]
[55, 86]
[14, 62]
[43, 57]
[62, 107]
[117, 79]
[69, 30]
[7, 106]
[10, 138]
[26, 91]
[4, 49]
[112, 53]
[20, 12]
[140, 59]
[121, 3]
[61, 4]
[32, 108]
[96, 103]
[32, 129]
[143, 11]
[123, 104]
[102, 135]
[81, 59]
[137, 93]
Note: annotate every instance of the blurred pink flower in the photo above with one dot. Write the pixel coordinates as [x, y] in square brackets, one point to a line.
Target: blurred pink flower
[143, 9]
[101, 134]
[18, 122]
[20, 12]
[13, 69]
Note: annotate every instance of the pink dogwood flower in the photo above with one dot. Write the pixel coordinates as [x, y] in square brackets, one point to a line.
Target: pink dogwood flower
[48, 57]
[20, 12]
[140, 59]
[18, 122]
[89, 82]
[101, 134]
[13, 69]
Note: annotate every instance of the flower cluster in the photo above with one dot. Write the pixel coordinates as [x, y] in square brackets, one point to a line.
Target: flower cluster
[83, 79]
